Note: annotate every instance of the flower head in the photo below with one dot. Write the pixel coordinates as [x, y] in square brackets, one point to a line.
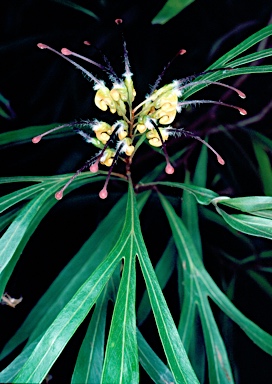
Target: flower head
[151, 118]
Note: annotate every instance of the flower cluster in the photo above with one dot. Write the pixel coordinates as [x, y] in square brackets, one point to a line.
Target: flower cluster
[150, 120]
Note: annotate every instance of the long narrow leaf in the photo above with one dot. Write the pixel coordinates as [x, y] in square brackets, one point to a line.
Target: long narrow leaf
[163, 270]
[13, 198]
[223, 74]
[18, 233]
[248, 203]
[152, 364]
[251, 225]
[198, 273]
[219, 366]
[121, 360]
[174, 350]
[203, 196]
[246, 44]
[250, 58]
[89, 364]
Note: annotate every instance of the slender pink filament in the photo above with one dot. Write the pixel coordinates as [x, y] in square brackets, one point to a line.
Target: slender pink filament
[67, 52]
[240, 93]
[38, 138]
[241, 110]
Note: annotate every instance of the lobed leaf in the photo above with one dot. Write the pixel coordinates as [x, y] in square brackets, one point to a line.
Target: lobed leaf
[202, 284]
[70, 279]
[89, 364]
[63, 327]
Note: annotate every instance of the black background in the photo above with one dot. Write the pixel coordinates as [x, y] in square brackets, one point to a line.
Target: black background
[42, 89]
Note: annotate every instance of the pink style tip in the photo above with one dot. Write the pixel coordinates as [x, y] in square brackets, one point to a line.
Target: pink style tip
[86, 42]
[220, 160]
[242, 111]
[169, 169]
[241, 94]
[182, 51]
[66, 52]
[118, 21]
[103, 194]
[42, 46]
[36, 139]
[94, 168]
[59, 195]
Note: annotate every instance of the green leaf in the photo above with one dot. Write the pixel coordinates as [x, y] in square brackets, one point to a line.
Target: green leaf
[121, 359]
[70, 279]
[63, 327]
[15, 238]
[256, 334]
[7, 218]
[13, 198]
[174, 350]
[61, 330]
[4, 113]
[88, 368]
[219, 366]
[170, 9]
[250, 58]
[188, 313]
[260, 138]
[246, 243]
[203, 196]
[201, 285]
[163, 270]
[266, 213]
[151, 363]
[251, 225]
[247, 203]
[264, 167]
[89, 364]
[190, 216]
[201, 169]
[195, 293]
[8, 374]
[7, 113]
[240, 48]
[262, 282]
[223, 74]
